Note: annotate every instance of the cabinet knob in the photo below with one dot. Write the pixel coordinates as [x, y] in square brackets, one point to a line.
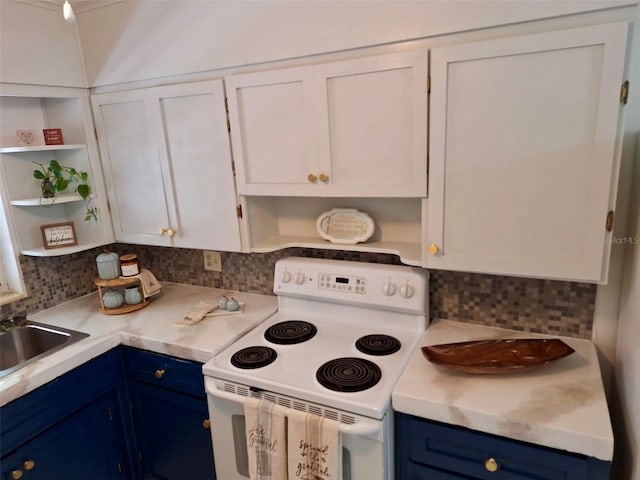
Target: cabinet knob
[312, 178]
[16, 474]
[491, 465]
[159, 373]
[171, 232]
[206, 423]
[324, 178]
[161, 231]
[29, 464]
[433, 249]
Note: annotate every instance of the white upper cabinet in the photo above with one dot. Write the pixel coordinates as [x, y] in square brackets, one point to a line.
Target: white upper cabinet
[524, 153]
[167, 162]
[353, 128]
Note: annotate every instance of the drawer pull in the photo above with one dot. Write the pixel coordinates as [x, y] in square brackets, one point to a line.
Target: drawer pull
[324, 178]
[159, 373]
[206, 423]
[491, 465]
[312, 178]
[29, 464]
[16, 474]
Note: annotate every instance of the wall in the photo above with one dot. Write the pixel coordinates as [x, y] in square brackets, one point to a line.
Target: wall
[545, 306]
[38, 47]
[145, 39]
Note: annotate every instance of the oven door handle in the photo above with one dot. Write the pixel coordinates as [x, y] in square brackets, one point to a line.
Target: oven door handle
[364, 428]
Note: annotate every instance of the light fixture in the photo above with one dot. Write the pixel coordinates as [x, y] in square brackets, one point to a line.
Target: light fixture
[67, 12]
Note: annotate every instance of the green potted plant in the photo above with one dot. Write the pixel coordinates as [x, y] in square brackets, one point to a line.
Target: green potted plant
[57, 178]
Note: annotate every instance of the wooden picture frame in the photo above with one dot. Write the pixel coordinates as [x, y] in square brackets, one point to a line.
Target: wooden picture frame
[58, 235]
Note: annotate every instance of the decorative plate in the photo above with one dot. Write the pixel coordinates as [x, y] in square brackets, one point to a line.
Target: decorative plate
[345, 225]
[497, 356]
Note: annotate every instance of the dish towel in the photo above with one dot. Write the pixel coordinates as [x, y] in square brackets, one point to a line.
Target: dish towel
[314, 451]
[196, 313]
[148, 281]
[266, 439]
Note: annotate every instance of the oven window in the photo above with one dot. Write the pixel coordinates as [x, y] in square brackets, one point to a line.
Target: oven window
[242, 459]
[240, 444]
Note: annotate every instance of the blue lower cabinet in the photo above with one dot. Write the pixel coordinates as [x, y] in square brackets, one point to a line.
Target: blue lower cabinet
[170, 416]
[427, 450]
[125, 415]
[71, 428]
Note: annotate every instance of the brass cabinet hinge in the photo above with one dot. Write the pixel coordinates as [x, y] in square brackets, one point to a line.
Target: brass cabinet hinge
[228, 125]
[239, 211]
[429, 84]
[110, 414]
[624, 92]
[119, 467]
[226, 105]
[609, 222]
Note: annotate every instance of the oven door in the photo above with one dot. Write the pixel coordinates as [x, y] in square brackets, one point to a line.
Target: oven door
[366, 443]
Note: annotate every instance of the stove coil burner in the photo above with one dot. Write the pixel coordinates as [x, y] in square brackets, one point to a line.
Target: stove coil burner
[253, 357]
[290, 332]
[378, 344]
[348, 374]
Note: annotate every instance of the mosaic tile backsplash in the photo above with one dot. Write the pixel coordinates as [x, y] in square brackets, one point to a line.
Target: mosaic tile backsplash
[541, 306]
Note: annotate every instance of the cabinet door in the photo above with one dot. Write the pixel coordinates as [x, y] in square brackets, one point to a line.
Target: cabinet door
[342, 129]
[272, 131]
[172, 434]
[168, 166]
[523, 153]
[131, 162]
[196, 155]
[88, 444]
[373, 125]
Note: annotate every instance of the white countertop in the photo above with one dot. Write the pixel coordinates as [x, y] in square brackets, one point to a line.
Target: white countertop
[151, 328]
[560, 405]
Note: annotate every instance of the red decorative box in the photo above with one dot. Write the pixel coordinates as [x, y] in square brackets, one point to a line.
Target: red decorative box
[53, 136]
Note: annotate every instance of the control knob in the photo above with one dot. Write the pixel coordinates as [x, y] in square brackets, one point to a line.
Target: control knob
[388, 289]
[406, 290]
[300, 277]
[285, 277]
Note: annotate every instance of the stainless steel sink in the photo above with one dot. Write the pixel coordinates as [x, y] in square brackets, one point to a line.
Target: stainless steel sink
[23, 342]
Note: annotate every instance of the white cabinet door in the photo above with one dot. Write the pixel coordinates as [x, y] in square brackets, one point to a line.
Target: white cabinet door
[373, 130]
[132, 167]
[523, 153]
[343, 129]
[168, 166]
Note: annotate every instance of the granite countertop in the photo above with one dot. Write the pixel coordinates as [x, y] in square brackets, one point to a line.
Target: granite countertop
[560, 405]
[151, 328]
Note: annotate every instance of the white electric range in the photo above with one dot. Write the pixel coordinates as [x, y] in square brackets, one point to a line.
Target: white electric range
[340, 339]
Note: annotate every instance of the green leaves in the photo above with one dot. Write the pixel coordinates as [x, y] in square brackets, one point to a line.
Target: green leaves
[61, 177]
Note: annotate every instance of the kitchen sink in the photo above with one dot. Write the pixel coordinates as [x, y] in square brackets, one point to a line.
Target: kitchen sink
[23, 342]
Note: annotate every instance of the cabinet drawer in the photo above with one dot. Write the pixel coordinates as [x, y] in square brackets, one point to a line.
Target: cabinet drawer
[462, 451]
[164, 371]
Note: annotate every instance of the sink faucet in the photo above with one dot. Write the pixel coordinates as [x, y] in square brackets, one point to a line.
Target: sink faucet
[7, 324]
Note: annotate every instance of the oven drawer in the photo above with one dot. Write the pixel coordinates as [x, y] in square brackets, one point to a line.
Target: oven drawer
[183, 376]
[451, 451]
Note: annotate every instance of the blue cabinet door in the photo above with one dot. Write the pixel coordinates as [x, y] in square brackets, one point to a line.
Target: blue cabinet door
[86, 445]
[172, 434]
[428, 450]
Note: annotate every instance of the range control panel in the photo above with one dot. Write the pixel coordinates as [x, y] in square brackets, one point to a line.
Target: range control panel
[389, 286]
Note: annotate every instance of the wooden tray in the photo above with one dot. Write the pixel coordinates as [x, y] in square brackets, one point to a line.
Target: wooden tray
[497, 356]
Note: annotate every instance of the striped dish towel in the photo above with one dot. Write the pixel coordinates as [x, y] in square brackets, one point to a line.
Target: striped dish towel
[266, 439]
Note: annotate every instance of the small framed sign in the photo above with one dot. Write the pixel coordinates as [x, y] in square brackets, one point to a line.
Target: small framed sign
[58, 235]
[53, 136]
[26, 138]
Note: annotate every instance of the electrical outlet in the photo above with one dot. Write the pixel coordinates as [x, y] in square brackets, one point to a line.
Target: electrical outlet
[212, 261]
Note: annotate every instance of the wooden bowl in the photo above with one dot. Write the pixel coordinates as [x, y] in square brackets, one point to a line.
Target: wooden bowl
[497, 356]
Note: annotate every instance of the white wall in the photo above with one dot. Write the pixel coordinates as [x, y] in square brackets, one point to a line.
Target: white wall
[38, 47]
[626, 405]
[146, 39]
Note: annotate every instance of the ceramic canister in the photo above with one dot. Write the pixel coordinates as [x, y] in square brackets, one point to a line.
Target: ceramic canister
[108, 265]
[132, 295]
[112, 299]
